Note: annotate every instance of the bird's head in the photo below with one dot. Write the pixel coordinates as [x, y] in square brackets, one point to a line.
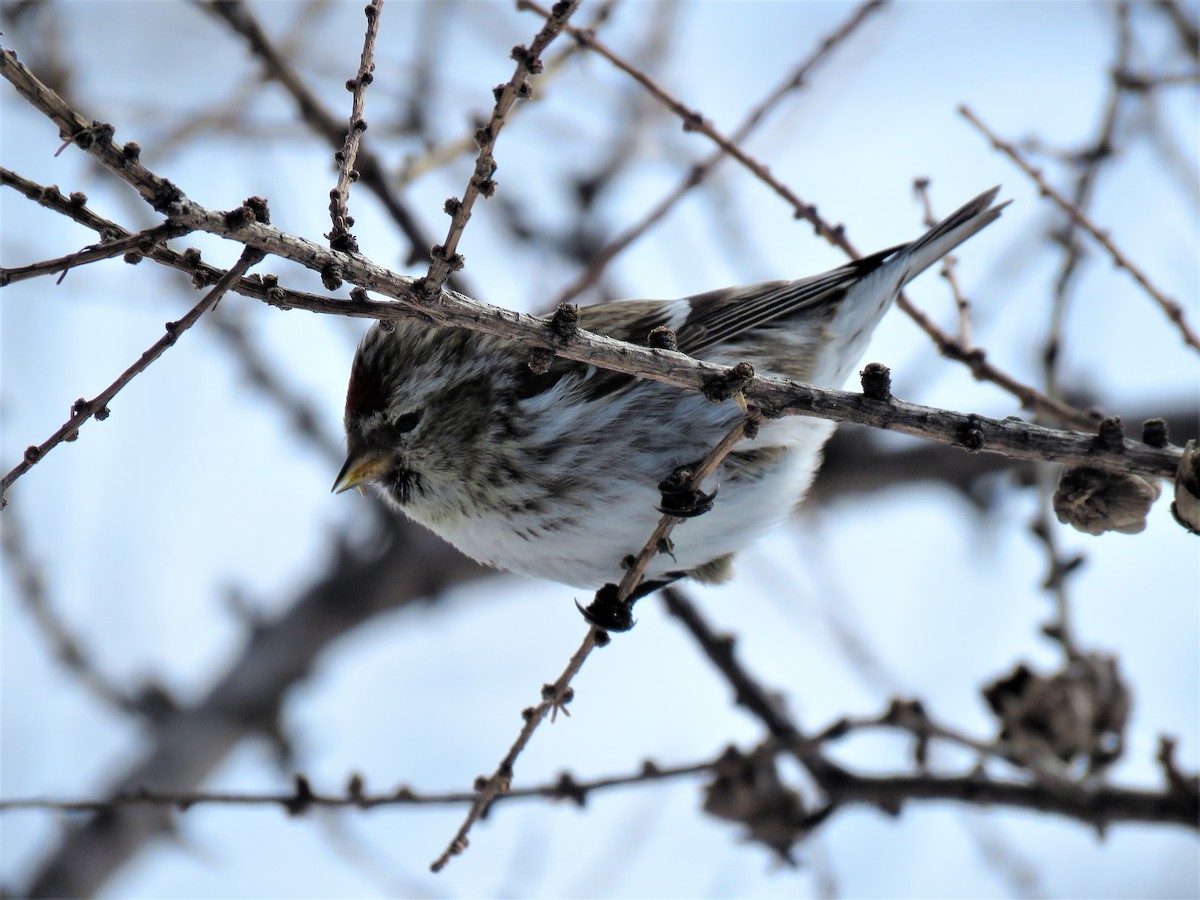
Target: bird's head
[419, 411]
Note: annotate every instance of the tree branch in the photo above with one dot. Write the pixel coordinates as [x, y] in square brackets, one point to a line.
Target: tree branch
[82, 410]
[1173, 310]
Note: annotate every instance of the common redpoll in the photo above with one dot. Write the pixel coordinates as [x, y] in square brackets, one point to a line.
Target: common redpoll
[556, 475]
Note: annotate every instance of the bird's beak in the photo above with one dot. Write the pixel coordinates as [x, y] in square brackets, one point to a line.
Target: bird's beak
[359, 469]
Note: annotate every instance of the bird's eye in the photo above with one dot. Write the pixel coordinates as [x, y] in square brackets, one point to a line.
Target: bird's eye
[407, 422]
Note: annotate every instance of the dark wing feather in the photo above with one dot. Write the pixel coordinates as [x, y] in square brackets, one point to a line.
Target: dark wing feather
[714, 317]
[719, 316]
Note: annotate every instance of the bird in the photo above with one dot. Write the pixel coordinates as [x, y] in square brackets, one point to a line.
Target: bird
[556, 474]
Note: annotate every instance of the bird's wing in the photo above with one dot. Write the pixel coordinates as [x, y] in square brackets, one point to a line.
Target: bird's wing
[719, 316]
[700, 322]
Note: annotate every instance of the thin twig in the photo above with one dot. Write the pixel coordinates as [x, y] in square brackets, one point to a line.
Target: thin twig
[82, 410]
[446, 258]
[557, 695]
[372, 173]
[961, 303]
[554, 697]
[660, 537]
[134, 245]
[302, 796]
[1172, 309]
[340, 237]
[1098, 805]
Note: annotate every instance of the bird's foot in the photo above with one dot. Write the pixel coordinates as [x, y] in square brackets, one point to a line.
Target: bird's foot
[679, 499]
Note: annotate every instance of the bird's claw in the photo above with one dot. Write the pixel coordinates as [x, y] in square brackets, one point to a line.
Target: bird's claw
[679, 499]
[607, 612]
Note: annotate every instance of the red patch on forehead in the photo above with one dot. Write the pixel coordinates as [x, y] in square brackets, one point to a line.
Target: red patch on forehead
[365, 395]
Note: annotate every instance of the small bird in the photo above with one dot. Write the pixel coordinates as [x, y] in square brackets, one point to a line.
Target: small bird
[557, 474]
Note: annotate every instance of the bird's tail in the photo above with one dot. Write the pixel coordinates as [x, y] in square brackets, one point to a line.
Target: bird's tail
[950, 232]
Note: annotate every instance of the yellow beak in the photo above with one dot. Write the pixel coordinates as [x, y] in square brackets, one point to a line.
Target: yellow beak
[359, 469]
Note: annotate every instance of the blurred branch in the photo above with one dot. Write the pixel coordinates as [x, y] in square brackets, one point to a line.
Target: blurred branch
[749, 693]
[699, 172]
[434, 157]
[1186, 28]
[412, 565]
[693, 120]
[1173, 310]
[1090, 159]
[961, 304]
[301, 416]
[68, 648]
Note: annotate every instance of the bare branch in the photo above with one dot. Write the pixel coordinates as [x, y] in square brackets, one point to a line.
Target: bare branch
[775, 397]
[1173, 310]
[133, 246]
[446, 258]
[82, 409]
[340, 237]
[303, 797]
[1098, 805]
[554, 697]
[372, 173]
[1186, 27]
[336, 266]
